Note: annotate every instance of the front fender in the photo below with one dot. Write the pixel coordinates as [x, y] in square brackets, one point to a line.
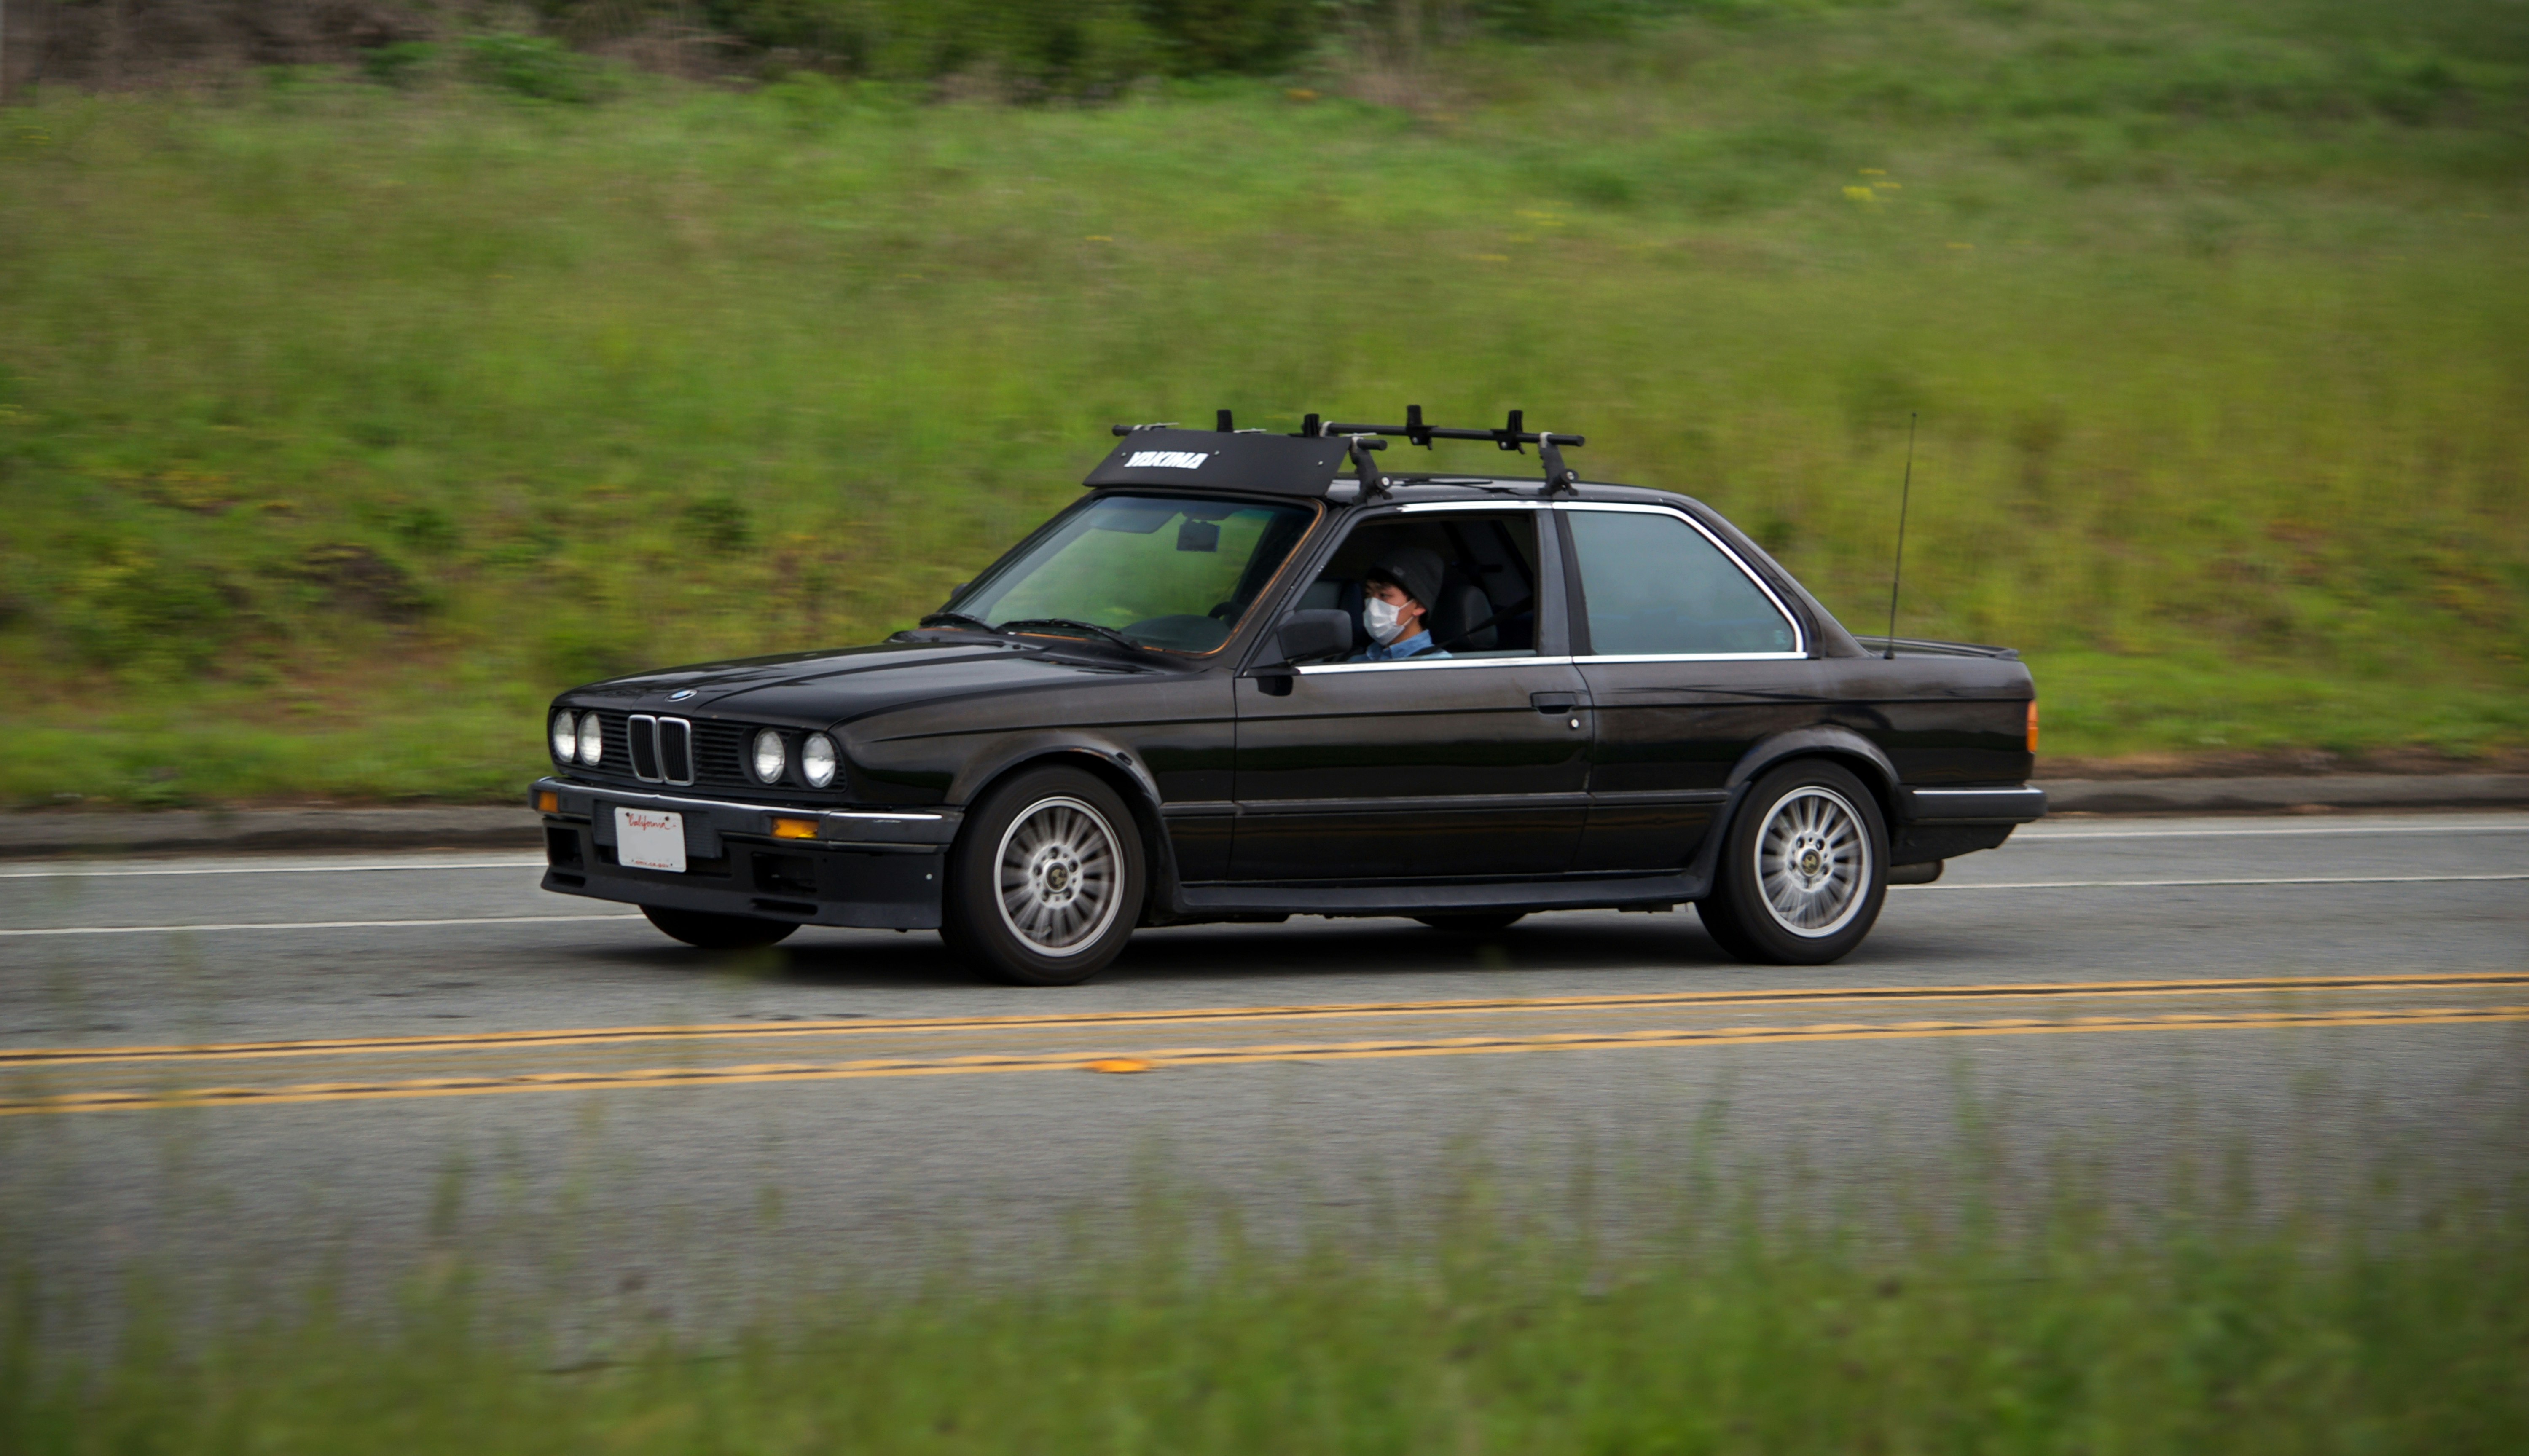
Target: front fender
[1006, 753]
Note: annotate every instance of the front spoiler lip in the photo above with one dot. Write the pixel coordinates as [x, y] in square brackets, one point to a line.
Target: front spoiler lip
[927, 828]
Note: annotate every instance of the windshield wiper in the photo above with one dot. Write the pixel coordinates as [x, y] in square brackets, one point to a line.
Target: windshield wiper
[957, 620]
[1022, 624]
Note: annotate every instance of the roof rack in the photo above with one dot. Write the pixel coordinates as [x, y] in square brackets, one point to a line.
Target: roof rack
[1510, 437]
[1303, 463]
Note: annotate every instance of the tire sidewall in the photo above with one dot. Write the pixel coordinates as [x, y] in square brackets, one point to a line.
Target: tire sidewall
[1752, 931]
[971, 920]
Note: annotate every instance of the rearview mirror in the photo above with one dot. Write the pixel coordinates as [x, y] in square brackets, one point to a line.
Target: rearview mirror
[1312, 634]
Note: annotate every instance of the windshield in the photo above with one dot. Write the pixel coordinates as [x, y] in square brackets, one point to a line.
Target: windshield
[1163, 571]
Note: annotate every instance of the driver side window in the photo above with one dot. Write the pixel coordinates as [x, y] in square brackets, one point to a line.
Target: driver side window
[1488, 592]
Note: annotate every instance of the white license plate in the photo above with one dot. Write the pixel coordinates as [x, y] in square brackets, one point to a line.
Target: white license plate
[650, 840]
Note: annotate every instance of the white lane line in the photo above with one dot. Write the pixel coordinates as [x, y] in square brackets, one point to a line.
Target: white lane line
[139, 930]
[2072, 836]
[135, 930]
[2169, 884]
[533, 863]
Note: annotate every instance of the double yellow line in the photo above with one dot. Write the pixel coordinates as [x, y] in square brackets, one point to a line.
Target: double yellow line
[31, 1059]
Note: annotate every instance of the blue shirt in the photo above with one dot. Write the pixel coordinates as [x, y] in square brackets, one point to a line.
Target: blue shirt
[1402, 647]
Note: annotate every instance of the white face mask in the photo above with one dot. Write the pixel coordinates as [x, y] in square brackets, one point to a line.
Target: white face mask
[1384, 621]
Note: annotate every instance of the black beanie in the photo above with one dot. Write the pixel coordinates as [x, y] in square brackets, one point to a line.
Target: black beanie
[1413, 568]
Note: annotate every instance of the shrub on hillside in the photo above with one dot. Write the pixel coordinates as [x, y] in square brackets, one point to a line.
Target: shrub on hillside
[1198, 37]
[533, 66]
[1042, 47]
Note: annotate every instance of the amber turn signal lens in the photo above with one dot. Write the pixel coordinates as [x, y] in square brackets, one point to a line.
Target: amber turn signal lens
[548, 801]
[794, 828]
[2033, 725]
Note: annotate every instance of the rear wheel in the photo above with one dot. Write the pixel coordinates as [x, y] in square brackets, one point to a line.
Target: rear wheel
[1474, 923]
[1803, 871]
[1046, 882]
[717, 932]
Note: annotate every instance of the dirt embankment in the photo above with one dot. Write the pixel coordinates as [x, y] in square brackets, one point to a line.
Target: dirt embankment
[112, 43]
[2248, 764]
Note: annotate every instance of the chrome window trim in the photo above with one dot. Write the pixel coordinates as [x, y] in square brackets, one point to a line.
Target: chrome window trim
[1461, 507]
[1800, 637]
[1425, 665]
[1700, 657]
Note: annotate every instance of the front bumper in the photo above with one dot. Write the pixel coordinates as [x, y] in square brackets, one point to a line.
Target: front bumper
[881, 869]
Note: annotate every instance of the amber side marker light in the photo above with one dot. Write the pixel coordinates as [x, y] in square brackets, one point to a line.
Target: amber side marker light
[548, 801]
[794, 828]
[2033, 725]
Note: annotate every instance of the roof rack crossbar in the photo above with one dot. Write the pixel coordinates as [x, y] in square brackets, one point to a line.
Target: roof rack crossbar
[1511, 436]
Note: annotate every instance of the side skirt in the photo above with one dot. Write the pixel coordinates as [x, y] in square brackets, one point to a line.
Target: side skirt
[1614, 893]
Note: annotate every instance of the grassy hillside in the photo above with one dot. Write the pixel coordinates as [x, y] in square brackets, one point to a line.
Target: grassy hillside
[339, 425]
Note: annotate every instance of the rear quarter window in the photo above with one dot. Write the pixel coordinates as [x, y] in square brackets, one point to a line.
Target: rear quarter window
[1653, 586]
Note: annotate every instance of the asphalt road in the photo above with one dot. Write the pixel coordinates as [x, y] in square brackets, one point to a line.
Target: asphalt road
[232, 1075]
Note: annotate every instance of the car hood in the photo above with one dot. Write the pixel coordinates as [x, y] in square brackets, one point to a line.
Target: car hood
[835, 686]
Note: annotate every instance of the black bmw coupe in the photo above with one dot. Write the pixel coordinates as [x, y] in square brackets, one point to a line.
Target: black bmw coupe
[1182, 699]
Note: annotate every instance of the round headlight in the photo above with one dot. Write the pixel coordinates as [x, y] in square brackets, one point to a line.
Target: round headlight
[565, 736]
[817, 760]
[769, 756]
[592, 740]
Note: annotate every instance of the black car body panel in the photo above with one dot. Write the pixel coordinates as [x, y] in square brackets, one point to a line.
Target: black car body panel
[1539, 770]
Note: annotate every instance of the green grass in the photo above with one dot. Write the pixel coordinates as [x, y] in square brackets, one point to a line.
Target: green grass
[2067, 1340]
[339, 425]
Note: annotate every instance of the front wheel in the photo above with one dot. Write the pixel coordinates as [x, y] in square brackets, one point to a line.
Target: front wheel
[1804, 870]
[1046, 882]
[719, 932]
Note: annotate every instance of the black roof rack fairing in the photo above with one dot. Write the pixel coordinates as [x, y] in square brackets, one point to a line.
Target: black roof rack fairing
[1208, 460]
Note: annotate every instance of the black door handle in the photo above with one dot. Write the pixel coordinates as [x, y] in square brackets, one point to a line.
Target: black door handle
[1554, 702]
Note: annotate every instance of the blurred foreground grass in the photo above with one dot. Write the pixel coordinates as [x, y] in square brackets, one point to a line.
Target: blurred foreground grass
[2065, 1339]
[340, 425]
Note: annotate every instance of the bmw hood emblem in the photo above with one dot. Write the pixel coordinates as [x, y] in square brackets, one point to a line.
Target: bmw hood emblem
[681, 694]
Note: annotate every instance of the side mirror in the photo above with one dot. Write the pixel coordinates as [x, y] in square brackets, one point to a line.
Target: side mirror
[1304, 635]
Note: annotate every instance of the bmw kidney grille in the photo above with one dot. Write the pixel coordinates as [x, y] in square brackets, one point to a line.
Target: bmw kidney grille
[663, 749]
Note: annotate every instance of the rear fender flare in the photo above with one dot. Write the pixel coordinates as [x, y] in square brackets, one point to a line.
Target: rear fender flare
[1839, 744]
[1824, 742]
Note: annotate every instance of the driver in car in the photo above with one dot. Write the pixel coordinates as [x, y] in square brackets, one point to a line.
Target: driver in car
[1397, 592]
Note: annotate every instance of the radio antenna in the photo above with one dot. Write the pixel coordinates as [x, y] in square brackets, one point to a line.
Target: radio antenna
[1905, 499]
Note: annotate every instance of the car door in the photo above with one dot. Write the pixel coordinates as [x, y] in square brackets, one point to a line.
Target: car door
[1689, 658]
[1475, 764]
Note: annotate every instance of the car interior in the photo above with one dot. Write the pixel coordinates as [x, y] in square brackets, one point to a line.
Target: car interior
[1487, 604]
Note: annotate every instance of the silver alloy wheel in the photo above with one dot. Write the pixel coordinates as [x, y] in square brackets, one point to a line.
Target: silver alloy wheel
[1059, 871]
[1812, 861]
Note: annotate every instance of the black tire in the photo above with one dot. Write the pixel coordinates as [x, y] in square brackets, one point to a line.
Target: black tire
[1045, 880]
[1803, 871]
[719, 932]
[1475, 922]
